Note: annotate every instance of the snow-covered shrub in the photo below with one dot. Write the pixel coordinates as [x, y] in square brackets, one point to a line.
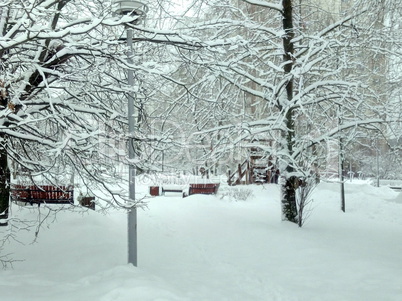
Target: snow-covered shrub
[237, 193]
[304, 199]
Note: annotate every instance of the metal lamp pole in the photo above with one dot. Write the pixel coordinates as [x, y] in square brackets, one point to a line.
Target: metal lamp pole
[132, 212]
[139, 9]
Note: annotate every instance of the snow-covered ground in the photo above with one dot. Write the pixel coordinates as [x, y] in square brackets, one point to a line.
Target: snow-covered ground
[213, 248]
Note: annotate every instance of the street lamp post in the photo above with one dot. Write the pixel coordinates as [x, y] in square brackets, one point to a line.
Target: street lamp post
[139, 9]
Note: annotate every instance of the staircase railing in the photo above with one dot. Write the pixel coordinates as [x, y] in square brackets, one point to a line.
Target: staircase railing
[234, 178]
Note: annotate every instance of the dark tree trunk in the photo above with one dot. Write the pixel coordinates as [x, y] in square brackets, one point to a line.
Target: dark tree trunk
[288, 195]
[4, 183]
[288, 182]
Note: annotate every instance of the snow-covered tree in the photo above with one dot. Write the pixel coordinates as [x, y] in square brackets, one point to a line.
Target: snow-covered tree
[228, 73]
[299, 70]
[61, 95]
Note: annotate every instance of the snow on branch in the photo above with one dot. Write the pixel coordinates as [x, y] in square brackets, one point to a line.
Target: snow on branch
[277, 7]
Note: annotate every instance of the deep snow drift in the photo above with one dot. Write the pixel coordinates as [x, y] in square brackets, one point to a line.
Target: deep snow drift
[217, 248]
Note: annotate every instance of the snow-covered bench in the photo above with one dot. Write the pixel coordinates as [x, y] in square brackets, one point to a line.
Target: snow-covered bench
[174, 188]
[186, 190]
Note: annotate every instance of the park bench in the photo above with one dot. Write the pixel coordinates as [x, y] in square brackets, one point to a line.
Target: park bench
[42, 194]
[209, 188]
[170, 188]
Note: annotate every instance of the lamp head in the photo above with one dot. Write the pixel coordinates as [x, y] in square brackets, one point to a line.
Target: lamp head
[131, 8]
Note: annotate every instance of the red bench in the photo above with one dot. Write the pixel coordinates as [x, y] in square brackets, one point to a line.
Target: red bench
[42, 194]
[209, 188]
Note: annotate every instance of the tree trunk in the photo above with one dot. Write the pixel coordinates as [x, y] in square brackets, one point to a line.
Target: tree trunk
[288, 182]
[4, 183]
[341, 161]
[288, 198]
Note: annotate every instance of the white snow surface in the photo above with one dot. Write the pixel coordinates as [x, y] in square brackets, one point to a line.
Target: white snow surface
[216, 248]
